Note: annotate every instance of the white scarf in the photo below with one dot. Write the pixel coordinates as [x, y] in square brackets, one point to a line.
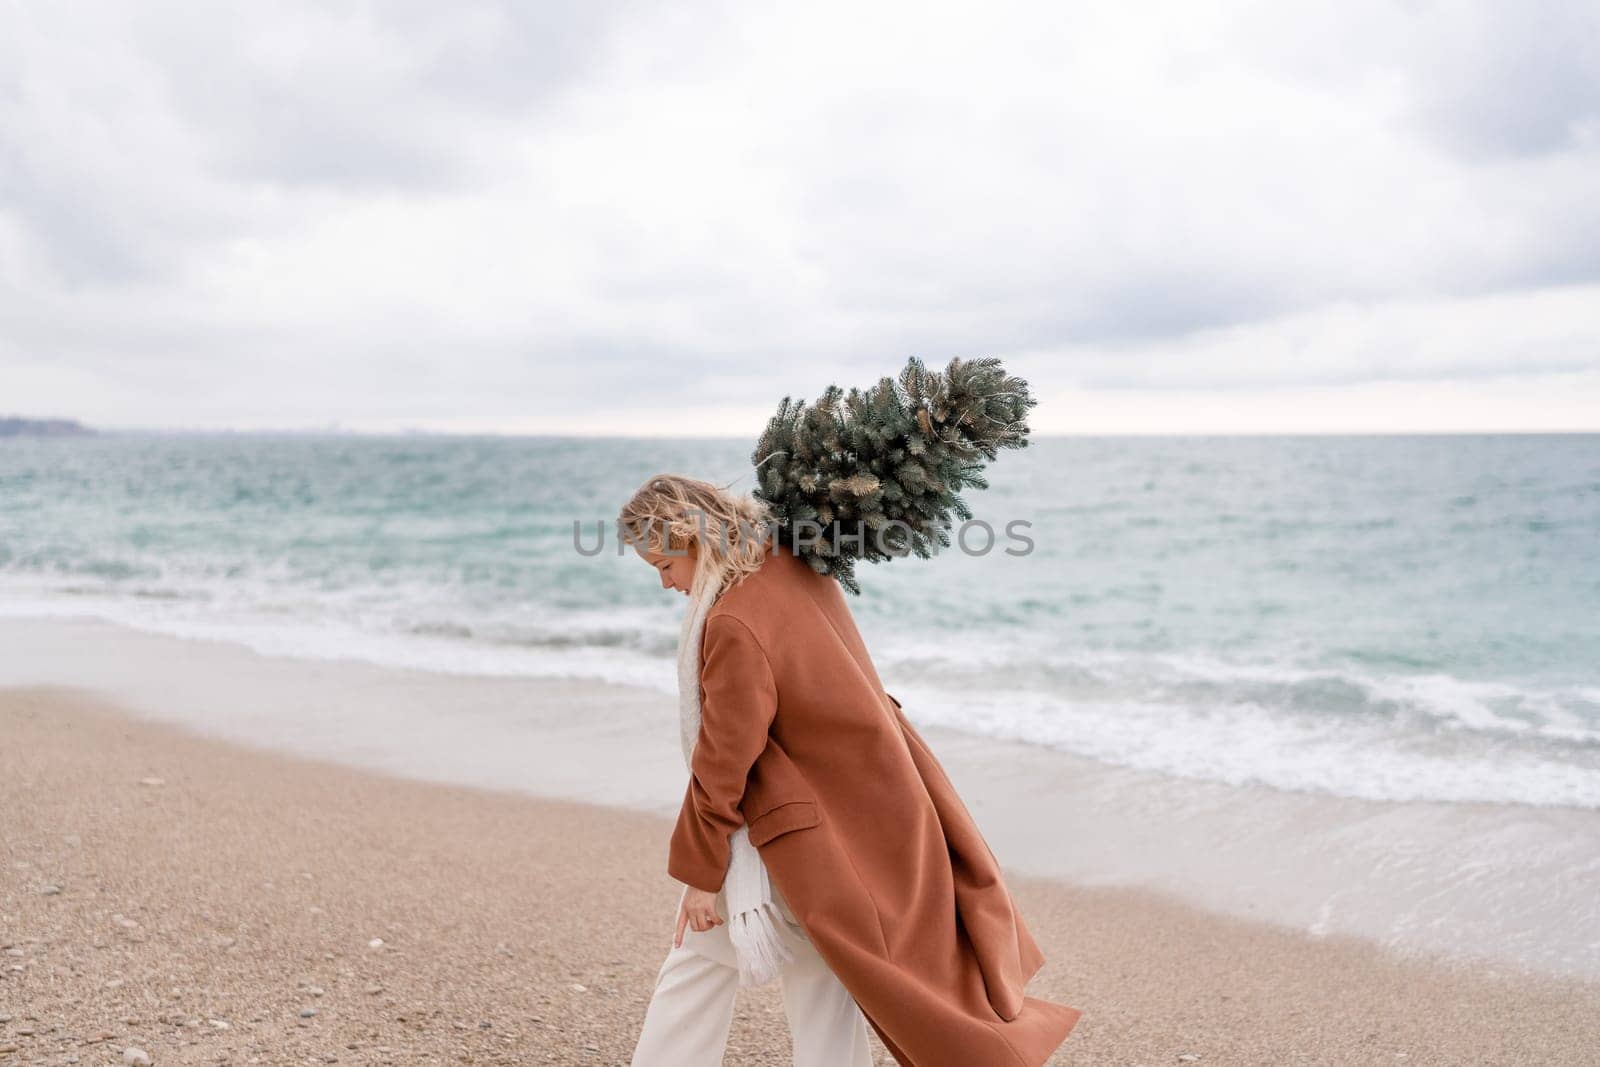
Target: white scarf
[752, 915]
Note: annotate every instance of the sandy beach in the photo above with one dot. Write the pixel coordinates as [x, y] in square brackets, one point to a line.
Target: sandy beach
[208, 902]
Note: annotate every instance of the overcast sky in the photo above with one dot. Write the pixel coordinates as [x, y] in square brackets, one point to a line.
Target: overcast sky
[661, 218]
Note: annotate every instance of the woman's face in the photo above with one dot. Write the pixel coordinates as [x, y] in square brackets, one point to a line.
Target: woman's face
[676, 569]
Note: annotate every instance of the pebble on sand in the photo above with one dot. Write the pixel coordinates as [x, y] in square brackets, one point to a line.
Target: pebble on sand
[152, 781]
[134, 1056]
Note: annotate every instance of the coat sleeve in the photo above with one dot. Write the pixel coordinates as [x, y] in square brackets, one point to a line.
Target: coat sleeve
[738, 703]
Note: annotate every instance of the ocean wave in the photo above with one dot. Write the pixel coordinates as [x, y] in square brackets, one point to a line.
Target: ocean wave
[1424, 737]
[1250, 745]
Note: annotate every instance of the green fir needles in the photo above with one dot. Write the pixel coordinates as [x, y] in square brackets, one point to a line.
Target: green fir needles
[872, 475]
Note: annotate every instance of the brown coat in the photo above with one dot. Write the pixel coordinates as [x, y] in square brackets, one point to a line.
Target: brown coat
[858, 826]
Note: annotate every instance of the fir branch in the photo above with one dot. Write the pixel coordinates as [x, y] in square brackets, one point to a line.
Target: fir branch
[900, 451]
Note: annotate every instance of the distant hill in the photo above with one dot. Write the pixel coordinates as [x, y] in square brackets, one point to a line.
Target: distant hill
[11, 426]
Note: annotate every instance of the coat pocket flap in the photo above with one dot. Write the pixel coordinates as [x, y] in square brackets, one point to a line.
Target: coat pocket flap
[795, 815]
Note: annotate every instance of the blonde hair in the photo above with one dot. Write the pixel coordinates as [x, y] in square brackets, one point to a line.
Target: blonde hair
[732, 532]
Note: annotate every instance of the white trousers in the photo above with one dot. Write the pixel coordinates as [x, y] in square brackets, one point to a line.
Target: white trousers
[691, 1011]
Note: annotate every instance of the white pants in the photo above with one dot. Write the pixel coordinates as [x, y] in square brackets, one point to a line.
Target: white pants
[687, 1022]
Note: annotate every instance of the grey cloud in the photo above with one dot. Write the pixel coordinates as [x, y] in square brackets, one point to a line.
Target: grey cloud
[82, 236]
[374, 97]
[1518, 80]
[523, 54]
[271, 96]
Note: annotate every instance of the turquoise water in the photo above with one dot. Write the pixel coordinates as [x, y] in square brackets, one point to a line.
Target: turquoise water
[1400, 618]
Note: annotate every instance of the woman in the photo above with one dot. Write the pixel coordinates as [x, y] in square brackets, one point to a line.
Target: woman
[876, 860]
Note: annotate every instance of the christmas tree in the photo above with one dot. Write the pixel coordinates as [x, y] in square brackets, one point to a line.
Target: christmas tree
[875, 474]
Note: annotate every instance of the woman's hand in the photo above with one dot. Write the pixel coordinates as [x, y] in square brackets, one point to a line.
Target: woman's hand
[697, 910]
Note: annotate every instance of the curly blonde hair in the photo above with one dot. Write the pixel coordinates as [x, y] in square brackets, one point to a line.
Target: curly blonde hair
[732, 532]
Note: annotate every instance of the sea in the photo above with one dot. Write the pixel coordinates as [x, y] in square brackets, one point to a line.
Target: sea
[1390, 618]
